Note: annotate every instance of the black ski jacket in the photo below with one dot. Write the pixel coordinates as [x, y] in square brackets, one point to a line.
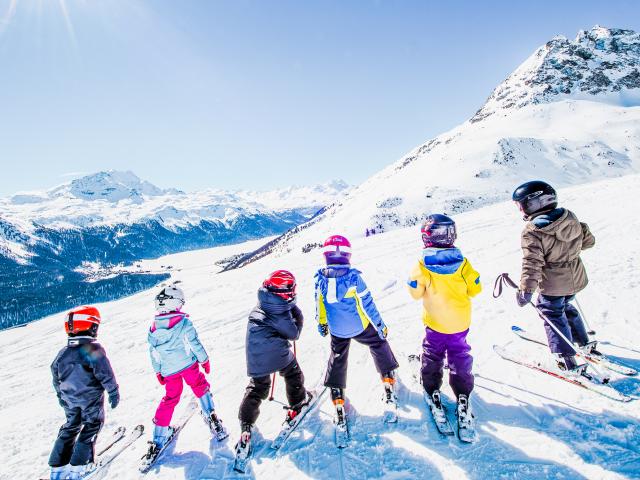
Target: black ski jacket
[271, 325]
[81, 373]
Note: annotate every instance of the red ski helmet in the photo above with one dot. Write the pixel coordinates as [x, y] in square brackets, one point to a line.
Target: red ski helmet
[281, 283]
[337, 250]
[82, 319]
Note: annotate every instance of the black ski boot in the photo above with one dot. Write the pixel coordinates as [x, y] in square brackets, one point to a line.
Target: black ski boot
[243, 448]
[294, 410]
[215, 425]
[390, 398]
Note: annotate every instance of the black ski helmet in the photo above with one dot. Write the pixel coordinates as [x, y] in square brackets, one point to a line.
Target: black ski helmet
[535, 197]
[438, 231]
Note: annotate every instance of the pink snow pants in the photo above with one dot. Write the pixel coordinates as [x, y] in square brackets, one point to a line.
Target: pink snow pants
[173, 389]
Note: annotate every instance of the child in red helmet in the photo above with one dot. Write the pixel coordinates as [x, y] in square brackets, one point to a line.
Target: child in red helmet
[81, 374]
[273, 323]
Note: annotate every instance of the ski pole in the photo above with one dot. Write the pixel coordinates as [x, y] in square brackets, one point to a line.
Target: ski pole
[590, 331]
[273, 386]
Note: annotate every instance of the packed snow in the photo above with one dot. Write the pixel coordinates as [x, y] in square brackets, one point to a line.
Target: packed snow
[530, 425]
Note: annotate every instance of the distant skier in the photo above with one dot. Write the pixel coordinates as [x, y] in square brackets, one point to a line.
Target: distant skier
[177, 355]
[81, 374]
[445, 281]
[552, 240]
[346, 310]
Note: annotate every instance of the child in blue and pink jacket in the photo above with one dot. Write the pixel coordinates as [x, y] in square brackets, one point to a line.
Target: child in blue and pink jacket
[177, 355]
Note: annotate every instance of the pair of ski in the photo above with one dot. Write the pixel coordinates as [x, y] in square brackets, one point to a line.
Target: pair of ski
[154, 454]
[244, 450]
[118, 443]
[464, 418]
[581, 379]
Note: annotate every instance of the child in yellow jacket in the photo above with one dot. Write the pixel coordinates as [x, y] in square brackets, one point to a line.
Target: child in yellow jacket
[445, 281]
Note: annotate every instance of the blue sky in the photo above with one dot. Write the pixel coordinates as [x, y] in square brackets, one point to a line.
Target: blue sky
[254, 94]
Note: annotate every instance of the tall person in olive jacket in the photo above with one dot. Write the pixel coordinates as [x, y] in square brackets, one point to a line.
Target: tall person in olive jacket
[552, 240]
[273, 323]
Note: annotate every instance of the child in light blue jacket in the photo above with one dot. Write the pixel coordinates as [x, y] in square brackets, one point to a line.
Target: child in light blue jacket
[176, 355]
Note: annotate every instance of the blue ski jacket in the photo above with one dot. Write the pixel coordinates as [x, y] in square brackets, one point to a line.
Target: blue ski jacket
[344, 302]
[174, 344]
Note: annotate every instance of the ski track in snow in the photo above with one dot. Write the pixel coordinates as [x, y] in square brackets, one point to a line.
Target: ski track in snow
[529, 425]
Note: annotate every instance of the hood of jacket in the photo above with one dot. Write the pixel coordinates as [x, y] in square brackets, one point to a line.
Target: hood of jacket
[271, 303]
[560, 223]
[163, 324]
[342, 275]
[442, 260]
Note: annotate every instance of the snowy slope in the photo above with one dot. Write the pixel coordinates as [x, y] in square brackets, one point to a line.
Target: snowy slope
[531, 426]
[569, 114]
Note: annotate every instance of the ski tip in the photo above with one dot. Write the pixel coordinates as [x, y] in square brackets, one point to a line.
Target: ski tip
[516, 328]
[139, 429]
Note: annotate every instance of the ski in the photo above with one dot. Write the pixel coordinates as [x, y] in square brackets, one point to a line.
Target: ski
[118, 435]
[341, 426]
[289, 426]
[578, 380]
[390, 400]
[597, 359]
[154, 453]
[466, 425]
[436, 408]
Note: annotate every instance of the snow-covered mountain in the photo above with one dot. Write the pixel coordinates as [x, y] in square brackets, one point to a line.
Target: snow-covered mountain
[569, 114]
[110, 218]
[531, 426]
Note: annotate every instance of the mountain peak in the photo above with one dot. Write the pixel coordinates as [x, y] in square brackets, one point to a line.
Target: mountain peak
[601, 62]
[110, 185]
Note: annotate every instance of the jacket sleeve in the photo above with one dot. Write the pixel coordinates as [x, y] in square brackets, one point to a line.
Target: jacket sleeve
[471, 278]
[321, 311]
[417, 283]
[532, 261]
[298, 317]
[55, 378]
[588, 240]
[365, 302]
[286, 326]
[194, 342]
[103, 371]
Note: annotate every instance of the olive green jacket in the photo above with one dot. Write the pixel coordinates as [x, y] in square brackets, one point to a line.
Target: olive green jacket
[551, 246]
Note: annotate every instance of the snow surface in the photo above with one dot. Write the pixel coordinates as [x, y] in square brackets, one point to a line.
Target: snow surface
[530, 425]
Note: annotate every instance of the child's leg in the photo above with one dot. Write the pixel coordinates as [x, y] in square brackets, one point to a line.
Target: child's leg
[294, 381]
[200, 387]
[336, 376]
[83, 452]
[576, 324]
[380, 349]
[460, 363]
[173, 390]
[255, 393]
[433, 352]
[63, 446]
[553, 309]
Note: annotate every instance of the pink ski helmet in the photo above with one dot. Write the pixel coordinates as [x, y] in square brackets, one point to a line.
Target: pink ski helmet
[337, 250]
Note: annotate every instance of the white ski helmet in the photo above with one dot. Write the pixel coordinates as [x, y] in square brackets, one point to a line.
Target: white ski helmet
[170, 299]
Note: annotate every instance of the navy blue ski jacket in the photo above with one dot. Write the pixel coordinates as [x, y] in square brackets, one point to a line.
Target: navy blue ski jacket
[272, 324]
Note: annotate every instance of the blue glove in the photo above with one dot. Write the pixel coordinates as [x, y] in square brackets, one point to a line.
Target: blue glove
[114, 399]
[382, 331]
[523, 298]
[323, 328]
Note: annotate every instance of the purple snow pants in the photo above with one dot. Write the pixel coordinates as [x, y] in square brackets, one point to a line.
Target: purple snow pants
[454, 345]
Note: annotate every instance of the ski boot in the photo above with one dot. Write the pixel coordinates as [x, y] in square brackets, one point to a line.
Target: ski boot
[161, 436]
[390, 398]
[59, 473]
[76, 472]
[591, 348]
[466, 429]
[340, 420]
[243, 448]
[294, 410]
[568, 364]
[210, 417]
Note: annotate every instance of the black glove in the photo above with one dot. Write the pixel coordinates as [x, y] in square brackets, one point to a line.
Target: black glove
[523, 298]
[114, 399]
[323, 328]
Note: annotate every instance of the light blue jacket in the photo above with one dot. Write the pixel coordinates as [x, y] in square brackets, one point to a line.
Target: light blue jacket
[344, 302]
[173, 344]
